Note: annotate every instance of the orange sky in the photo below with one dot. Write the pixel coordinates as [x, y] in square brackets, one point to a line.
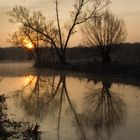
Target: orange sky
[129, 10]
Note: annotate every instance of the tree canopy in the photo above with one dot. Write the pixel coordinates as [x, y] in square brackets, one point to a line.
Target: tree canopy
[56, 34]
[105, 32]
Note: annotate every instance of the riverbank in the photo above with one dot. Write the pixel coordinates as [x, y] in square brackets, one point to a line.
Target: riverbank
[118, 69]
[112, 69]
[116, 73]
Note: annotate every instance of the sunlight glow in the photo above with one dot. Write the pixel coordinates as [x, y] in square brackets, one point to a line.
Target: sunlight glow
[28, 44]
[28, 80]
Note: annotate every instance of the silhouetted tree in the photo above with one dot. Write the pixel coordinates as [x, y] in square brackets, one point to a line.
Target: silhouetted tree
[59, 36]
[105, 32]
[28, 38]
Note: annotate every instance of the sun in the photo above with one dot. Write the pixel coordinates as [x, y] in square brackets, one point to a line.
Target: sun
[28, 44]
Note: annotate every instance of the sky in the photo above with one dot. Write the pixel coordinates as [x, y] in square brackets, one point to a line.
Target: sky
[129, 10]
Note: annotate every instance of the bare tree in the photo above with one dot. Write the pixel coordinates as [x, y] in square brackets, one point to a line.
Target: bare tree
[83, 11]
[32, 42]
[105, 32]
[30, 39]
[26, 40]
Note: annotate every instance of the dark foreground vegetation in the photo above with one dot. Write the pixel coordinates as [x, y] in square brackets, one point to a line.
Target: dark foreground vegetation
[10, 129]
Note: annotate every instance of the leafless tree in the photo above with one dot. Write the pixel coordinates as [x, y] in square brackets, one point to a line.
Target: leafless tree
[30, 39]
[105, 32]
[83, 11]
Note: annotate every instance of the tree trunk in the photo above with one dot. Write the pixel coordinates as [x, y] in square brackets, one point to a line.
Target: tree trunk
[38, 61]
[62, 58]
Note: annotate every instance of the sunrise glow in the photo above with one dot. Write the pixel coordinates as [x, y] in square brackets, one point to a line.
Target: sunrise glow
[28, 79]
[28, 44]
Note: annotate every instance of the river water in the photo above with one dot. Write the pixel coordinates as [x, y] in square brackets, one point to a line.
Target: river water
[71, 106]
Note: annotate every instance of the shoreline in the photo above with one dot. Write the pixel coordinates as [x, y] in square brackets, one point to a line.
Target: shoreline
[111, 69]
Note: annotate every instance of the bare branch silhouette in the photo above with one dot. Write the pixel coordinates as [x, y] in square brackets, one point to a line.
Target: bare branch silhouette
[58, 36]
[105, 32]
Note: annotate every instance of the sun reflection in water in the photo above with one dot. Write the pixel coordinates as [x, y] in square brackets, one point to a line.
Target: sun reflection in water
[29, 82]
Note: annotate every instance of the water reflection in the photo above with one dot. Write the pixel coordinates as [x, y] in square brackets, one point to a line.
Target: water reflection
[47, 95]
[104, 110]
[1, 78]
[35, 96]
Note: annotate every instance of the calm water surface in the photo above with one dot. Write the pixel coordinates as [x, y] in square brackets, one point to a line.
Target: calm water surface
[74, 107]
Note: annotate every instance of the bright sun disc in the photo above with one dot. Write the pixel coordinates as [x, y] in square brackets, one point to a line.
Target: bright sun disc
[28, 44]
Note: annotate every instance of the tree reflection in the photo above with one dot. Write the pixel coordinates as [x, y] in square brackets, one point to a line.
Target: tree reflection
[44, 95]
[35, 96]
[105, 110]
[65, 95]
[49, 95]
[1, 78]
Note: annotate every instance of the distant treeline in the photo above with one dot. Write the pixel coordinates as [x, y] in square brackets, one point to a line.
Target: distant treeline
[14, 54]
[127, 53]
